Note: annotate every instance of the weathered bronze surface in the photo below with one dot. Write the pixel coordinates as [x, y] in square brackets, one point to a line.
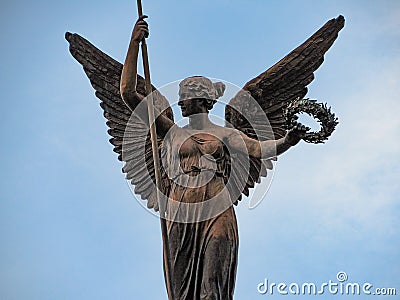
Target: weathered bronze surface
[205, 167]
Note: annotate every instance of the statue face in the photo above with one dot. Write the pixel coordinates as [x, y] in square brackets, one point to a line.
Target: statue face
[192, 106]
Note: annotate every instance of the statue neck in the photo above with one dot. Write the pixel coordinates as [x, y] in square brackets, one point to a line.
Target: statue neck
[199, 121]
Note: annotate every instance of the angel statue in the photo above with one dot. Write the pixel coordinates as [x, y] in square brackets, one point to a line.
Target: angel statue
[205, 168]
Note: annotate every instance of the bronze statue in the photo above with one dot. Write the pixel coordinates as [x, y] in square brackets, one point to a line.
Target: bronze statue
[204, 167]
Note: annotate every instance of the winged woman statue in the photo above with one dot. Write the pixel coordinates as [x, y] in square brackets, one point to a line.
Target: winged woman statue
[205, 167]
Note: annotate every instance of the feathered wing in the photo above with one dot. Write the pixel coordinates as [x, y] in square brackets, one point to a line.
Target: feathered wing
[275, 88]
[130, 135]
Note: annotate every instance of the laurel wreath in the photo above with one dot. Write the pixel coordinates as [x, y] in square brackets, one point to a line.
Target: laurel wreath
[319, 111]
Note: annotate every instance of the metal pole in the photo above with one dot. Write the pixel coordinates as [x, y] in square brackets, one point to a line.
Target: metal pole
[156, 159]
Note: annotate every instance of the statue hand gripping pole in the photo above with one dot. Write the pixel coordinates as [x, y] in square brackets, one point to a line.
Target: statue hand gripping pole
[154, 144]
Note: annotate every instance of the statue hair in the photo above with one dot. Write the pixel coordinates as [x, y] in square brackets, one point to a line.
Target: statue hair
[204, 88]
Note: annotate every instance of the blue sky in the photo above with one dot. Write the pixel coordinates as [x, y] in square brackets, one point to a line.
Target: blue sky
[71, 229]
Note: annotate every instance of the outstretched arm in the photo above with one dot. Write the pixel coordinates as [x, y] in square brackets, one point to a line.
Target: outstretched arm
[267, 149]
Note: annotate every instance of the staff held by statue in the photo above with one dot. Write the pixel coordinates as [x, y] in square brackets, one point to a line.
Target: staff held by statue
[154, 145]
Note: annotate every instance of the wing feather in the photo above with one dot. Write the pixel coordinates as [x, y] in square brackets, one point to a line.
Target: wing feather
[274, 89]
[129, 136]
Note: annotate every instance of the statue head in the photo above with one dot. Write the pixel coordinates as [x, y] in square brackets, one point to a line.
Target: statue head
[198, 94]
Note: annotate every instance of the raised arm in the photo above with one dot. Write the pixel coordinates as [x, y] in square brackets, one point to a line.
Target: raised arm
[128, 81]
[129, 71]
[266, 149]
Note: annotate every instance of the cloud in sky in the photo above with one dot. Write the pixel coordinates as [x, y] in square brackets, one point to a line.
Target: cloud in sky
[363, 162]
